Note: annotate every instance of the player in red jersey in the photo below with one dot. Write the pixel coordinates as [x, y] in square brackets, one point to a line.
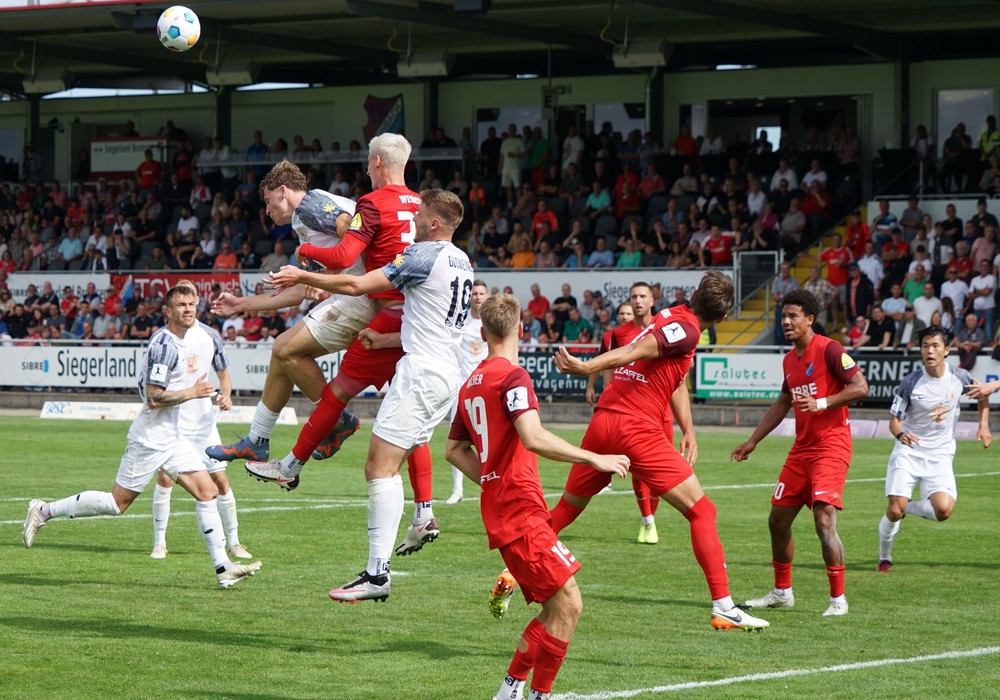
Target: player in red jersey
[641, 301]
[821, 380]
[630, 415]
[494, 440]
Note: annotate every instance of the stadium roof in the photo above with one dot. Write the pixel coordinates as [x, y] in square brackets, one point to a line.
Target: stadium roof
[109, 43]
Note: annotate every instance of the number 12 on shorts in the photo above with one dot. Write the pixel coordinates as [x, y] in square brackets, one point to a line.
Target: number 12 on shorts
[560, 550]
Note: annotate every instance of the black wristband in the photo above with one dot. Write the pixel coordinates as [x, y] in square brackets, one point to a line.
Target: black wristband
[900, 434]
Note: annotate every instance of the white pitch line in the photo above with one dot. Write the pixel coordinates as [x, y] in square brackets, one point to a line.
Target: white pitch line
[611, 695]
[182, 513]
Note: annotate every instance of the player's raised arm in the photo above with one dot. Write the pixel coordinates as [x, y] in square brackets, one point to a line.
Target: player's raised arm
[979, 390]
[543, 443]
[353, 285]
[646, 348]
[228, 305]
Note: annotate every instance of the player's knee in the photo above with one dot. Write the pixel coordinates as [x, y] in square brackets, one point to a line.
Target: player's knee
[943, 512]
[895, 512]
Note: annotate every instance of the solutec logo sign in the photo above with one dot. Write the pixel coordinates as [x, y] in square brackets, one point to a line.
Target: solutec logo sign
[737, 376]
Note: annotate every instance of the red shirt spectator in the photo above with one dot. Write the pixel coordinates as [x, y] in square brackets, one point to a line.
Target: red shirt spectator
[719, 247]
[837, 259]
[627, 202]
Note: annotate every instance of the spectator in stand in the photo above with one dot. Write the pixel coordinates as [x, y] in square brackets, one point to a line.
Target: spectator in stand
[274, 261]
[859, 294]
[981, 292]
[857, 335]
[784, 172]
[546, 258]
[908, 330]
[572, 185]
[985, 247]
[563, 303]
[983, 217]
[543, 215]
[780, 286]
[911, 218]
[538, 304]
[711, 145]
[627, 202]
[969, 340]
[631, 257]
[651, 183]
[962, 262]
[552, 327]
[574, 326]
[686, 184]
[815, 206]
[718, 249]
[598, 202]
[884, 223]
[925, 305]
[955, 289]
[601, 256]
[951, 226]
[524, 257]
[577, 259]
[148, 174]
[226, 259]
[836, 258]
[857, 234]
[824, 293]
[790, 232]
[881, 329]
[527, 203]
[871, 265]
[501, 258]
[913, 287]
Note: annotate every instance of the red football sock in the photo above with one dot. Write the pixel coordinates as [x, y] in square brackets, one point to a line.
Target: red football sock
[421, 473]
[642, 497]
[654, 503]
[563, 513]
[707, 546]
[551, 652]
[522, 662]
[782, 574]
[836, 576]
[320, 424]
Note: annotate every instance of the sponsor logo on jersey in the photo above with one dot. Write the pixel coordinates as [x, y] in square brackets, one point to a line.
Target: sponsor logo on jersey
[809, 370]
[517, 399]
[398, 262]
[158, 373]
[488, 477]
[674, 332]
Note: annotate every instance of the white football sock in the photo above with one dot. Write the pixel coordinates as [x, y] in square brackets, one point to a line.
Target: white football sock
[457, 480]
[262, 425]
[291, 465]
[210, 525]
[887, 531]
[385, 510]
[424, 511]
[511, 688]
[648, 520]
[230, 523]
[85, 505]
[161, 514]
[921, 509]
[724, 604]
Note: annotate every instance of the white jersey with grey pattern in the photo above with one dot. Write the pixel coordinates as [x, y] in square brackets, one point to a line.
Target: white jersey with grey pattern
[315, 221]
[436, 280]
[929, 407]
[197, 417]
[169, 364]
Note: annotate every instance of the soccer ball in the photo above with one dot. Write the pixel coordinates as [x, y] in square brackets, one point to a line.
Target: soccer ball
[178, 28]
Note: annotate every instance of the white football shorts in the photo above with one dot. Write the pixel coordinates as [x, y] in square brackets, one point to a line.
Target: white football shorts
[336, 321]
[208, 438]
[140, 463]
[933, 469]
[420, 396]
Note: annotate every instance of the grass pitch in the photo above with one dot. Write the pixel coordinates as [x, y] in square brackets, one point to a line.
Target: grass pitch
[87, 614]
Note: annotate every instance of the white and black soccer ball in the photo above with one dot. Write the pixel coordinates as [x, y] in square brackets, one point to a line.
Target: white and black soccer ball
[178, 28]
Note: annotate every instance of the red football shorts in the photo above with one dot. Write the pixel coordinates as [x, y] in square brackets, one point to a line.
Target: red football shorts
[654, 459]
[808, 478]
[540, 563]
[374, 367]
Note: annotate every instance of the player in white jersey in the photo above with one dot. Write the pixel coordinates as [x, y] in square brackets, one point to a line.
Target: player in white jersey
[436, 280]
[474, 351]
[924, 413]
[198, 424]
[322, 219]
[170, 376]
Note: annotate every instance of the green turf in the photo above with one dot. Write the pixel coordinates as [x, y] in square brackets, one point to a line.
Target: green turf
[87, 614]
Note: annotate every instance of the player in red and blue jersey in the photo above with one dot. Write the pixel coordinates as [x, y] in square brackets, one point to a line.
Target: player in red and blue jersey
[821, 381]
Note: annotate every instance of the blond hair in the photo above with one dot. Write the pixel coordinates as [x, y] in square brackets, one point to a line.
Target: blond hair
[393, 149]
[500, 314]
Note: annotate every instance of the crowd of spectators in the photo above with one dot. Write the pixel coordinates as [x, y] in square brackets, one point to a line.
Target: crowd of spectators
[887, 281]
[609, 201]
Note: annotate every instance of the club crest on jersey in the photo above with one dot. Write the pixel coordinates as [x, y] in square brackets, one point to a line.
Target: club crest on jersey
[356, 221]
[517, 399]
[846, 361]
[809, 370]
[192, 364]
